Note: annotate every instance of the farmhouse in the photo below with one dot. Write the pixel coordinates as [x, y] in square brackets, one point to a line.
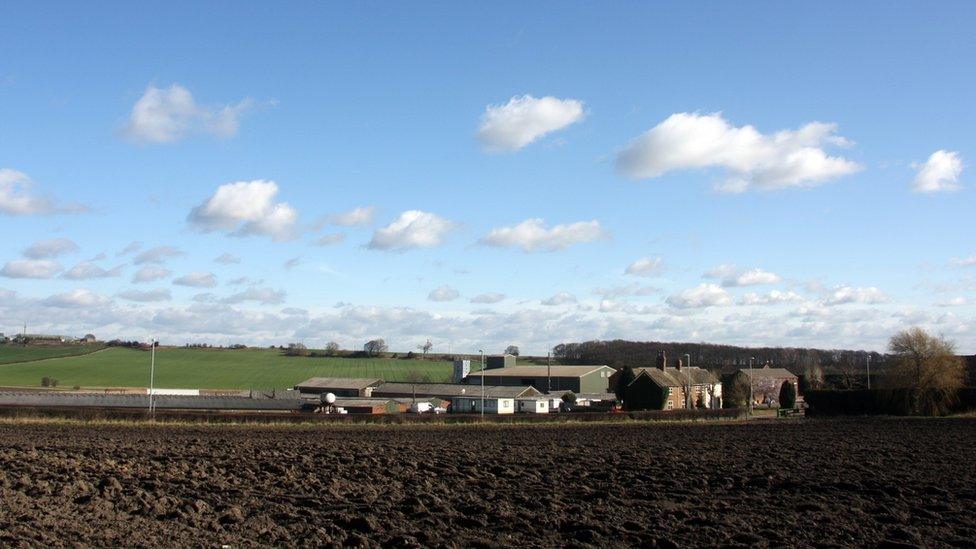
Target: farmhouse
[766, 382]
[687, 387]
[579, 379]
[340, 387]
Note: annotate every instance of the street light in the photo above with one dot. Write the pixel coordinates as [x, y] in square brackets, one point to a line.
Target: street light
[482, 351]
[152, 377]
[751, 360]
[869, 372]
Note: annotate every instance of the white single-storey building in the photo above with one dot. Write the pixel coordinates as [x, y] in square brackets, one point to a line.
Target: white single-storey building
[471, 404]
[532, 405]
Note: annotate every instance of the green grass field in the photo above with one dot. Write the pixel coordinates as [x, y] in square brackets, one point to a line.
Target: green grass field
[205, 369]
[17, 353]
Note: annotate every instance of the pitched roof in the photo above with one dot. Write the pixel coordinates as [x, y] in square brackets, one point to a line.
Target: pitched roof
[766, 372]
[338, 383]
[540, 371]
[448, 390]
[672, 377]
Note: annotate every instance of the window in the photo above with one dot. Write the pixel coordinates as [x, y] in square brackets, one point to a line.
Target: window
[670, 405]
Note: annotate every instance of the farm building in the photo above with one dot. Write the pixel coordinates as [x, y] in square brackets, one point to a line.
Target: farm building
[447, 391]
[358, 405]
[283, 401]
[766, 382]
[532, 405]
[579, 379]
[606, 400]
[493, 404]
[499, 361]
[687, 387]
[339, 386]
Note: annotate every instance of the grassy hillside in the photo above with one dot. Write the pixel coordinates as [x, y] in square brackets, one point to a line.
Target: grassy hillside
[209, 369]
[18, 353]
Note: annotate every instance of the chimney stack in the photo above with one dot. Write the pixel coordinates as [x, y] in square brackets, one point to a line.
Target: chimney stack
[681, 362]
[662, 360]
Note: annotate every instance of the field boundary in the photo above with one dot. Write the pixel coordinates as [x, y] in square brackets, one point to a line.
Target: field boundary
[50, 358]
[138, 416]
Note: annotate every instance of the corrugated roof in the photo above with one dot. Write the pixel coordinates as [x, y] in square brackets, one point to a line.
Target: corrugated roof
[536, 371]
[448, 390]
[765, 373]
[672, 377]
[338, 383]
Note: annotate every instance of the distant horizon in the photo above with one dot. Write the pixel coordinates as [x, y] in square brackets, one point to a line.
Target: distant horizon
[756, 175]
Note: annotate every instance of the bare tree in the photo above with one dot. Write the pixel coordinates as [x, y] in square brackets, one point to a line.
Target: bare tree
[929, 366]
[374, 347]
[331, 348]
[426, 346]
[512, 350]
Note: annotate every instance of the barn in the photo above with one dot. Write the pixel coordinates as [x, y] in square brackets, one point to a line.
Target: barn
[339, 386]
[579, 379]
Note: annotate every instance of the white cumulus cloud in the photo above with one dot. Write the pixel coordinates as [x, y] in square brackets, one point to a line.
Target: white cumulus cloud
[964, 261]
[843, 295]
[87, 270]
[772, 298]
[148, 296]
[787, 158]
[562, 298]
[645, 266]
[196, 280]
[264, 296]
[524, 119]
[939, 173]
[443, 293]
[412, 229]
[704, 295]
[534, 235]
[47, 249]
[17, 197]
[227, 258]
[76, 299]
[489, 298]
[30, 268]
[157, 255]
[356, 217]
[246, 208]
[732, 276]
[149, 273]
[329, 239]
[166, 115]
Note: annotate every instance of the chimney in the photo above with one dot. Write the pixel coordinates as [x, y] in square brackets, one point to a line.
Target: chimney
[662, 360]
[681, 362]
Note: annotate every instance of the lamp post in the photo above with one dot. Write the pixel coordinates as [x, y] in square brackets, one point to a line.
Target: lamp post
[869, 372]
[482, 351]
[152, 378]
[751, 360]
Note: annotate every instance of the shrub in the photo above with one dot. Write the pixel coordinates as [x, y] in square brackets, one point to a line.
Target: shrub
[569, 398]
[787, 395]
[45, 381]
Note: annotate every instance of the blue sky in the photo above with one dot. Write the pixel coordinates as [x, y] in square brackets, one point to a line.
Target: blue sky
[785, 174]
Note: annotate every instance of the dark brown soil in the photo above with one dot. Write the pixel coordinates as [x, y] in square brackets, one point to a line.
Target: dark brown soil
[772, 483]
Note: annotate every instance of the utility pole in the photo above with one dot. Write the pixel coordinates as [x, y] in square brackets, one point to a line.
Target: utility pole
[548, 372]
[751, 360]
[152, 378]
[869, 371]
[482, 351]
